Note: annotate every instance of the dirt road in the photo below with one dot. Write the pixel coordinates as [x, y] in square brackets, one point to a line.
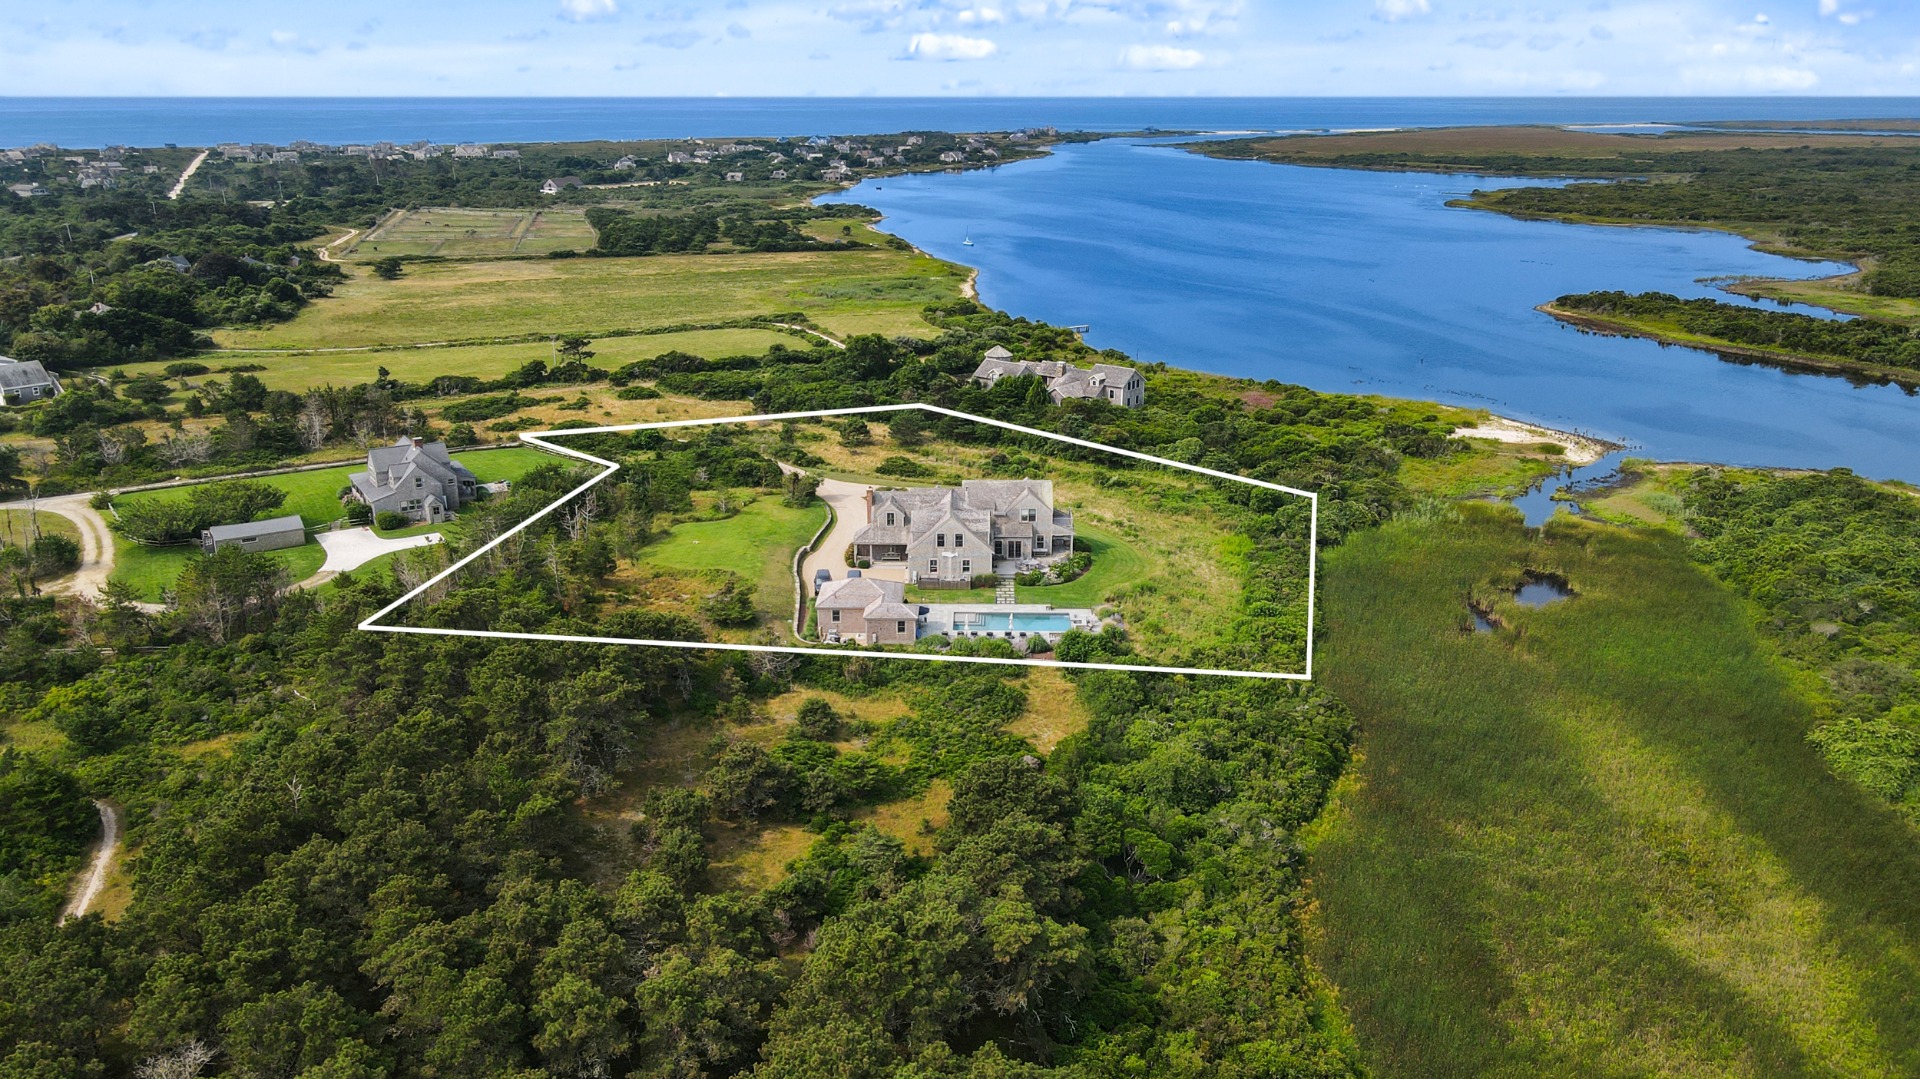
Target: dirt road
[96, 542]
[95, 879]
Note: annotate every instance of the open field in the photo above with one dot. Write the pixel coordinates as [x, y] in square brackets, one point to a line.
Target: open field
[1595, 841]
[305, 370]
[848, 292]
[19, 527]
[1843, 293]
[756, 543]
[314, 495]
[469, 233]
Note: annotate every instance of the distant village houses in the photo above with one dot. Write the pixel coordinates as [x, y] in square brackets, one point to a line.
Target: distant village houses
[1107, 382]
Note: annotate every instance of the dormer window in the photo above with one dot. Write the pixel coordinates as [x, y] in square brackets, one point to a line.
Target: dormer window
[889, 518]
[416, 481]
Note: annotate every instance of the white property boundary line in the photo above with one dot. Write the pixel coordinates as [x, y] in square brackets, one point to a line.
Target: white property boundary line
[608, 468]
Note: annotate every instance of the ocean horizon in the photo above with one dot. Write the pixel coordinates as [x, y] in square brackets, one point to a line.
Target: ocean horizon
[84, 122]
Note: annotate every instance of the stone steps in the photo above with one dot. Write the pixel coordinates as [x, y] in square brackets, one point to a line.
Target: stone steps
[1003, 592]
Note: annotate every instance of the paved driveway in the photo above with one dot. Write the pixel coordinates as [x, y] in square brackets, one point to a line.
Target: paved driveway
[351, 548]
[849, 502]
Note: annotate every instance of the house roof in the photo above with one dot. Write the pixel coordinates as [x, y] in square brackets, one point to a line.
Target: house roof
[23, 374]
[860, 593]
[998, 353]
[253, 529]
[390, 467]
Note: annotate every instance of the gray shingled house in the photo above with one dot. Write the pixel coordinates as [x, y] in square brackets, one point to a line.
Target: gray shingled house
[25, 381]
[1107, 382]
[861, 610]
[946, 535]
[416, 478]
[271, 535]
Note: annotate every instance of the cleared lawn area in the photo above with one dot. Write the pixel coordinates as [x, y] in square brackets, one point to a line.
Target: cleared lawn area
[863, 291]
[151, 571]
[315, 496]
[1595, 842]
[18, 527]
[306, 370]
[757, 543]
[460, 233]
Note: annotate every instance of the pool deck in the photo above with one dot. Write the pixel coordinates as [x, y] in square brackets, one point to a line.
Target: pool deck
[938, 620]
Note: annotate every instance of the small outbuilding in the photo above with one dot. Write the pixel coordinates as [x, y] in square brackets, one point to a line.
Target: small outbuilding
[25, 381]
[270, 535]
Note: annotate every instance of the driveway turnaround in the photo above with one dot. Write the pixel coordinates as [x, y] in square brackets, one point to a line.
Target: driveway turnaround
[351, 548]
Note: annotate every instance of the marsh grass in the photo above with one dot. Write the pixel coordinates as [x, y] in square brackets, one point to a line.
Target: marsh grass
[1595, 841]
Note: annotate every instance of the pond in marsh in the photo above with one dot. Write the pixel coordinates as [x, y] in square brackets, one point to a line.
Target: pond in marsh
[1541, 590]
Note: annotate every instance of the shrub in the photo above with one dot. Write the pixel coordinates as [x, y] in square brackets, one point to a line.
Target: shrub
[817, 720]
[732, 605]
[1030, 577]
[637, 393]
[984, 580]
[184, 369]
[388, 520]
[54, 555]
[359, 513]
[903, 466]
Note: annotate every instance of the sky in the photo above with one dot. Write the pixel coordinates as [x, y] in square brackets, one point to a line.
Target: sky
[958, 47]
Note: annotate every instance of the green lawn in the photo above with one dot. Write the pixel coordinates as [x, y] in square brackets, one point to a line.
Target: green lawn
[150, 571]
[1595, 842]
[757, 543]
[18, 527]
[463, 233]
[860, 291]
[305, 370]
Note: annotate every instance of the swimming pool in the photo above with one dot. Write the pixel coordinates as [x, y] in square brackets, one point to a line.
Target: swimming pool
[987, 620]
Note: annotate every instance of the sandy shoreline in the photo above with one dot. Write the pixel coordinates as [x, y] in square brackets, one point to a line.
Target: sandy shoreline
[1581, 449]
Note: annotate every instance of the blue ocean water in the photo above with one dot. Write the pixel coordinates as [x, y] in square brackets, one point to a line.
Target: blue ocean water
[101, 121]
[1369, 282]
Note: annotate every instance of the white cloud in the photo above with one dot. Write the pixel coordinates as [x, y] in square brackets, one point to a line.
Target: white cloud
[980, 16]
[586, 10]
[1780, 78]
[949, 47]
[1396, 10]
[1160, 58]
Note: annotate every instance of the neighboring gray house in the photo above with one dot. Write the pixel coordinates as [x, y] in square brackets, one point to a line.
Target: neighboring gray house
[946, 535]
[1107, 382]
[288, 531]
[415, 478]
[25, 381]
[559, 184]
[862, 610]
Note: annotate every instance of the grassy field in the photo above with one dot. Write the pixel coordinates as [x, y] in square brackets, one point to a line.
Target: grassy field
[151, 571]
[305, 370]
[1594, 842]
[757, 543]
[314, 495]
[849, 292]
[18, 527]
[466, 233]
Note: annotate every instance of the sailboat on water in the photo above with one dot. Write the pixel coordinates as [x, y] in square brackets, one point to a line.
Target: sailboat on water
[968, 241]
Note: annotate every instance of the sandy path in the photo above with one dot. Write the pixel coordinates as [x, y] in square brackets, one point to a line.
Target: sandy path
[816, 333]
[103, 856]
[181, 184]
